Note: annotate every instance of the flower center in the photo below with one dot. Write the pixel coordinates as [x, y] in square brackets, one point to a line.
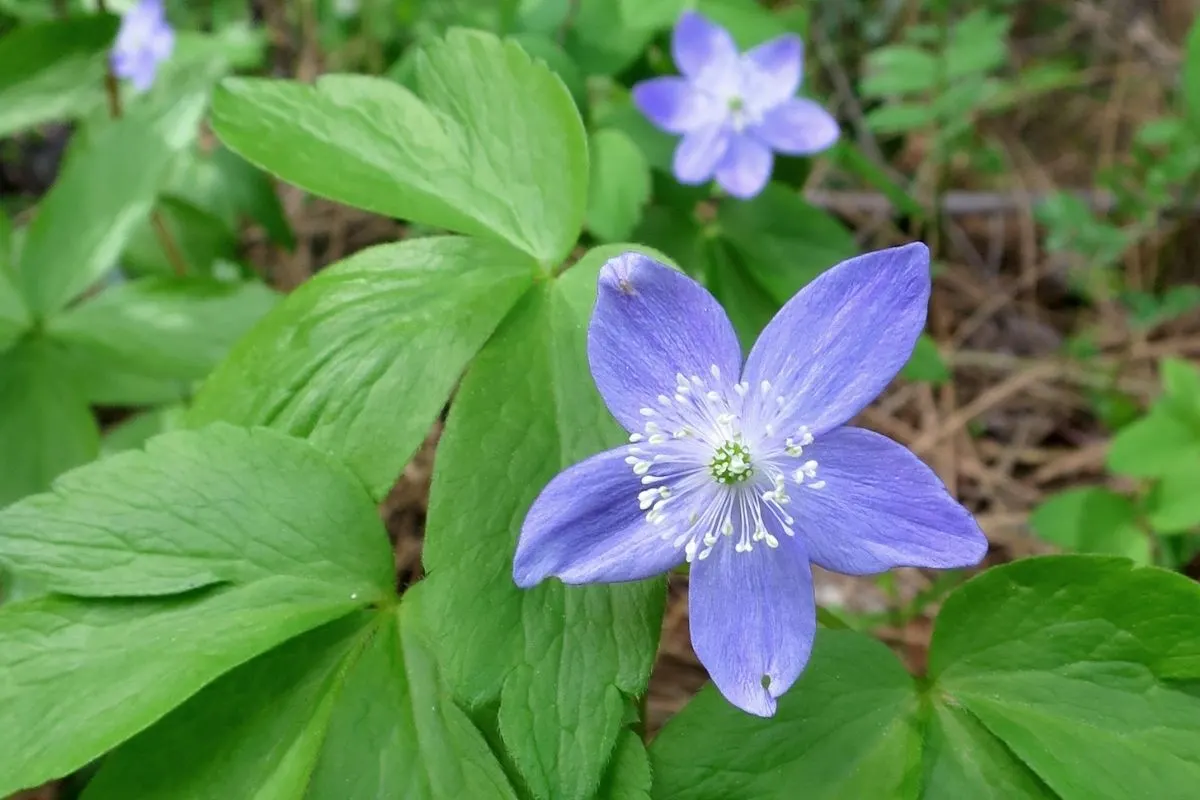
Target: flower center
[731, 463]
[712, 465]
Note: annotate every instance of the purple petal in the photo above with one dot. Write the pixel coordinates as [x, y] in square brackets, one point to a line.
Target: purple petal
[162, 44]
[650, 323]
[834, 346]
[699, 152]
[797, 127]
[587, 527]
[673, 105]
[746, 167]
[702, 49]
[772, 72]
[753, 616]
[881, 508]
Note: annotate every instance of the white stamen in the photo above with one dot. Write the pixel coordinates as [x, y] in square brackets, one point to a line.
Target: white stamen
[714, 452]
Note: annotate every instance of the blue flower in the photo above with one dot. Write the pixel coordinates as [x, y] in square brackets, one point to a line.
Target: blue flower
[749, 471]
[733, 110]
[144, 41]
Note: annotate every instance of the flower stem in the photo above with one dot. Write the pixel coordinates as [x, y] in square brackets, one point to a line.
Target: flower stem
[112, 90]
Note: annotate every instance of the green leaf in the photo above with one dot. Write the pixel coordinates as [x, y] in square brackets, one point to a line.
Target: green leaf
[926, 363]
[293, 723]
[361, 358]
[978, 45]
[165, 327]
[105, 385]
[560, 660]
[200, 238]
[448, 161]
[783, 241]
[601, 41]
[107, 186]
[1060, 676]
[1092, 520]
[1173, 505]
[222, 505]
[628, 776]
[900, 117]
[134, 432]
[53, 70]
[650, 14]
[657, 147]
[619, 188]
[844, 730]
[1190, 79]
[746, 302]
[6, 242]
[1086, 668]
[14, 318]
[1159, 443]
[500, 96]
[396, 697]
[1181, 385]
[898, 70]
[229, 188]
[46, 426]
[541, 46]
[254, 732]
[746, 20]
[83, 676]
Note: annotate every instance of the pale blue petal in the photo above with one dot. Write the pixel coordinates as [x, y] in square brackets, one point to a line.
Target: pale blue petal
[880, 508]
[143, 42]
[674, 105]
[772, 72]
[162, 44]
[753, 615]
[587, 527]
[746, 167]
[702, 49]
[699, 152]
[834, 346]
[797, 127]
[650, 323]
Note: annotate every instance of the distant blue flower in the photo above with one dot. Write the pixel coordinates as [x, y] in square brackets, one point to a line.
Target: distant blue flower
[733, 110]
[144, 41]
[749, 472]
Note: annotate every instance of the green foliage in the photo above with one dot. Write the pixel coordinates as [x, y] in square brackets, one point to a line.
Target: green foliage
[442, 160]
[294, 721]
[1092, 520]
[559, 660]
[175, 329]
[225, 542]
[106, 188]
[945, 78]
[53, 70]
[399, 322]
[45, 424]
[1162, 450]
[1036, 667]
[619, 186]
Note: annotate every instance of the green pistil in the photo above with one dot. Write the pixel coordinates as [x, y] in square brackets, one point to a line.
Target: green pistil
[736, 104]
[731, 463]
